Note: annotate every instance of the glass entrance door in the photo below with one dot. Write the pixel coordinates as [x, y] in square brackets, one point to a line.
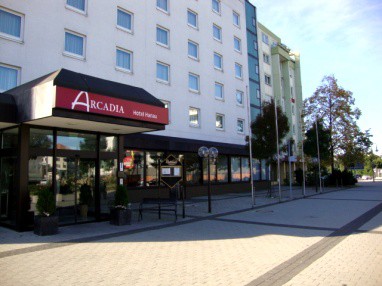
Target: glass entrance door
[7, 190]
[75, 189]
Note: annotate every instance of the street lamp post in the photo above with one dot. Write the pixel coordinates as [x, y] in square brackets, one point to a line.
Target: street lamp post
[210, 154]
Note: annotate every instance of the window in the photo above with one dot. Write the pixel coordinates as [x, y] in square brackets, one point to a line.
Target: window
[236, 19]
[267, 80]
[193, 82]
[194, 114]
[193, 50]
[162, 5]
[238, 70]
[239, 97]
[11, 24]
[124, 20]
[265, 38]
[75, 44]
[77, 4]
[124, 60]
[266, 58]
[9, 77]
[216, 6]
[219, 91]
[167, 104]
[237, 44]
[258, 93]
[220, 121]
[293, 109]
[218, 61]
[192, 19]
[257, 69]
[163, 36]
[217, 32]
[163, 72]
[254, 22]
[240, 126]
[255, 45]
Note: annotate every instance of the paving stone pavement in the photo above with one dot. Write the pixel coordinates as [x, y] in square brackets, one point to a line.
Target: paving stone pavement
[327, 239]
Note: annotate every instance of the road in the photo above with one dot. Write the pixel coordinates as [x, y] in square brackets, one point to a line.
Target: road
[333, 238]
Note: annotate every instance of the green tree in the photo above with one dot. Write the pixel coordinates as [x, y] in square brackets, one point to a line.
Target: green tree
[264, 140]
[335, 107]
[310, 142]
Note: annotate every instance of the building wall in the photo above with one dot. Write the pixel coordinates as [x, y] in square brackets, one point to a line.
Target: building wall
[285, 86]
[42, 51]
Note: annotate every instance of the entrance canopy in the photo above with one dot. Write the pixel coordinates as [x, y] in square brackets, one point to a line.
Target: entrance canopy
[67, 99]
[8, 110]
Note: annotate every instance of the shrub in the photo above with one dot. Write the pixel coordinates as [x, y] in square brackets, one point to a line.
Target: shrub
[46, 204]
[121, 199]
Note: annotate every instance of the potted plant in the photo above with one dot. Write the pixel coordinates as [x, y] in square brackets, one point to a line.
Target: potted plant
[86, 198]
[46, 223]
[120, 213]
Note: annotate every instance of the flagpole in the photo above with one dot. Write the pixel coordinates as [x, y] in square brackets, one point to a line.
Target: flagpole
[250, 147]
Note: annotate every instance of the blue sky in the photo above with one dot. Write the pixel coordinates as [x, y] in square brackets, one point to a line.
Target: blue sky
[339, 37]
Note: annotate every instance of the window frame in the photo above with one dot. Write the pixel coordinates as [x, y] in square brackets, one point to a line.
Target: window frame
[242, 97]
[223, 121]
[197, 19]
[131, 60]
[221, 61]
[220, 33]
[221, 98]
[266, 58]
[131, 31]
[198, 82]
[265, 38]
[241, 71]
[237, 125]
[197, 125]
[234, 44]
[219, 6]
[18, 75]
[238, 18]
[197, 50]
[75, 9]
[267, 82]
[168, 72]
[22, 22]
[168, 37]
[73, 55]
[167, 11]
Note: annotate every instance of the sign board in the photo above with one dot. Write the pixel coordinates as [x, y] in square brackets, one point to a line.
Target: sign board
[292, 158]
[171, 171]
[89, 102]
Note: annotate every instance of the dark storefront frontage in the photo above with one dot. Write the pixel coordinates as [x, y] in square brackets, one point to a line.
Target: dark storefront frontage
[69, 131]
[66, 131]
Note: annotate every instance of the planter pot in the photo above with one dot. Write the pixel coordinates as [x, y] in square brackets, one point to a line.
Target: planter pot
[84, 211]
[46, 225]
[120, 216]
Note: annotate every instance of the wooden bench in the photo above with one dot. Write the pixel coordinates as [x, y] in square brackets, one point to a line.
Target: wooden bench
[160, 205]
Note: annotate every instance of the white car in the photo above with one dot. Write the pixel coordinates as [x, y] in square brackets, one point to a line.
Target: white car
[366, 177]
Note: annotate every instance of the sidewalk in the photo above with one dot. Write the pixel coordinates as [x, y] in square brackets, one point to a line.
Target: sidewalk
[195, 209]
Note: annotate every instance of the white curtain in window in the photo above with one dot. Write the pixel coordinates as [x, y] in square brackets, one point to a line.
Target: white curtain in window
[194, 116]
[162, 36]
[124, 20]
[79, 4]
[8, 78]
[74, 44]
[123, 59]
[10, 24]
[162, 72]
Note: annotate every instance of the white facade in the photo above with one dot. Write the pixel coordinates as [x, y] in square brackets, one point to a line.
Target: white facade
[40, 50]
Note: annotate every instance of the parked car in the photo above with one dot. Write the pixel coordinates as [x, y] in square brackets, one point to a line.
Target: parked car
[366, 177]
